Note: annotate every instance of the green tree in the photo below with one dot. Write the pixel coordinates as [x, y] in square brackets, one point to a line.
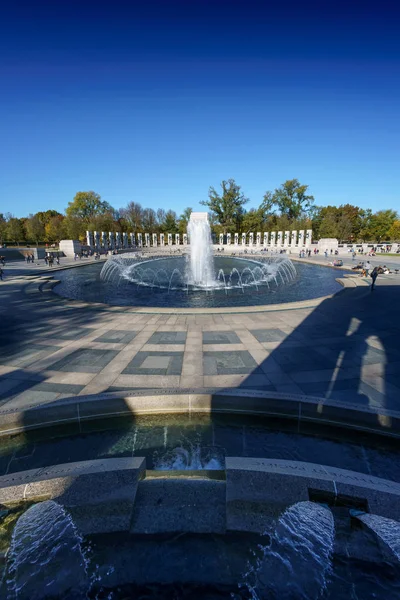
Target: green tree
[328, 225]
[227, 208]
[171, 222]
[3, 228]
[86, 206]
[292, 199]
[75, 228]
[366, 225]
[15, 232]
[34, 229]
[344, 228]
[184, 220]
[381, 223]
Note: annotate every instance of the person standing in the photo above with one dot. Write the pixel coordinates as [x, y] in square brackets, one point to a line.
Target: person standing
[367, 267]
[1, 274]
[374, 275]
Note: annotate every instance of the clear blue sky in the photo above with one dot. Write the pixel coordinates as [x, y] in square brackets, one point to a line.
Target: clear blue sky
[156, 101]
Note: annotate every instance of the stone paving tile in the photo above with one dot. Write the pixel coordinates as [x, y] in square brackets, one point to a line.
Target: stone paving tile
[70, 333]
[228, 363]
[23, 356]
[31, 391]
[147, 381]
[85, 360]
[155, 363]
[164, 347]
[268, 335]
[299, 360]
[220, 337]
[116, 336]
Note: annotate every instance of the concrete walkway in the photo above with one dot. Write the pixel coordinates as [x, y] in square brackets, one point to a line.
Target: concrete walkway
[346, 348]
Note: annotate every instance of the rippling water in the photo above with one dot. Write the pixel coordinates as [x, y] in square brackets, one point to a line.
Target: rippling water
[84, 283]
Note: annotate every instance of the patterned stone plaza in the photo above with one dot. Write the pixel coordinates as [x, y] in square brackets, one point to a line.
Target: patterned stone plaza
[344, 347]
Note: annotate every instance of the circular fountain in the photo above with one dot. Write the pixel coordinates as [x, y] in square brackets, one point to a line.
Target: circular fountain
[199, 269]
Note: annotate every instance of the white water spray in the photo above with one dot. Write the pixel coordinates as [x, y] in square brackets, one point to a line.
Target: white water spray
[201, 260]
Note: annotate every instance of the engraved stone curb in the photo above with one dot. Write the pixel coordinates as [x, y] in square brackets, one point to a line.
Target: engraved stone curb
[259, 490]
[98, 494]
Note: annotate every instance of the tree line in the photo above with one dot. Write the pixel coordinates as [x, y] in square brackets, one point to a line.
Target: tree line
[288, 207]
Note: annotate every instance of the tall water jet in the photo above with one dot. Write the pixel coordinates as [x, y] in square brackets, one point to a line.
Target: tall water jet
[45, 557]
[295, 563]
[201, 259]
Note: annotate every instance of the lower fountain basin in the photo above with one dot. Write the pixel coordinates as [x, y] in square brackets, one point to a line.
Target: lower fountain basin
[162, 283]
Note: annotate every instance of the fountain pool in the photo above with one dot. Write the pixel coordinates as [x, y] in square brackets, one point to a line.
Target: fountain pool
[162, 282]
[197, 278]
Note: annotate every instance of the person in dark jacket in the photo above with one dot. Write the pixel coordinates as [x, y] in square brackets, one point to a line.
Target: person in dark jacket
[374, 275]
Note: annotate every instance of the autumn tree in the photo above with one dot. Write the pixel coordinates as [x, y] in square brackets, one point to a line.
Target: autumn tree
[394, 231]
[55, 229]
[34, 229]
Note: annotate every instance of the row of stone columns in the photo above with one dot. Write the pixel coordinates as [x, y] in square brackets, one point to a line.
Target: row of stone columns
[280, 239]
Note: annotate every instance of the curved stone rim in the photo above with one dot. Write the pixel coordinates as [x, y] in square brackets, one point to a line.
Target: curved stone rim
[301, 409]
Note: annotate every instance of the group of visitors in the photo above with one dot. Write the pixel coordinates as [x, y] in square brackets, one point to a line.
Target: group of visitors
[49, 259]
[366, 269]
[305, 253]
[30, 258]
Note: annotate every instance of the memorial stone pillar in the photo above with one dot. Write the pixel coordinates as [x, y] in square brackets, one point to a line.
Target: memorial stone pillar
[154, 239]
[243, 239]
[125, 240]
[221, 239]
[236, 239]
[162, 239]
[112, 240]
[286, 239]
[177, 239]
[118, 239]
[280, 239]
[265, 238]
[104, 242]
[301, 238]
[89, 238]
[258, 238]
[132, 238]
[273, 238]
[140, 240]
[308, 237]
[228, 239]
[147, 240]
[251, 239]
[293, 238]
[96, 239]
[185, 237]
[170, 239]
